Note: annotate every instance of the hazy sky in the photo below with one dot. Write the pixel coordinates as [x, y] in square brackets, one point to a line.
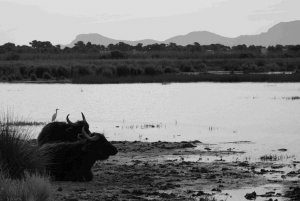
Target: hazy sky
[59, 21]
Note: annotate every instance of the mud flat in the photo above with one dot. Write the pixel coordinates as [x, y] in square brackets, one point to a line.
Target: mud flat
[182, 171]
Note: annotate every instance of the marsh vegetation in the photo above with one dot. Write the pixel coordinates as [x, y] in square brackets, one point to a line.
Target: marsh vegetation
[123, 63]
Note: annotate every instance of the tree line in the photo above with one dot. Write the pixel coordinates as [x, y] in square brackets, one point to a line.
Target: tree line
[121, 50]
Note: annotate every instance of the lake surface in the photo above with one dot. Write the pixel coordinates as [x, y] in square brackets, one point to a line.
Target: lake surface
[266, 114]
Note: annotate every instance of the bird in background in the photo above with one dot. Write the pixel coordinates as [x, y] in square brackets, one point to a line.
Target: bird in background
[54, 115]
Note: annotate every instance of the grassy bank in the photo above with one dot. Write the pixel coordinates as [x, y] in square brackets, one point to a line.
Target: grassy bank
[184, 78]
[149, 70]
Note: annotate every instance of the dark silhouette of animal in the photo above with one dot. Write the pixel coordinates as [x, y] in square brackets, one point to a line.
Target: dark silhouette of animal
[62, 132]
[72, 161]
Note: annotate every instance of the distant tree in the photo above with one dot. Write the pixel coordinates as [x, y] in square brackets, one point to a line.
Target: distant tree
[139, 47]
[117, 55]
[40, 44]
[172, 46]
[239, 48]
[8, 46]
[123, 46]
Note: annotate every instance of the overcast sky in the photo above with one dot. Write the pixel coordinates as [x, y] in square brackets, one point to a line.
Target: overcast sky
[59, 21]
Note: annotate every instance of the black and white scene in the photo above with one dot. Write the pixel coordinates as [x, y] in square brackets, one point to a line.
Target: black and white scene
[151, 100]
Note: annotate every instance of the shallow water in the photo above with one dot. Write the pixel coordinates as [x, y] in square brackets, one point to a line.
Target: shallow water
[262, 113]
[239, 194]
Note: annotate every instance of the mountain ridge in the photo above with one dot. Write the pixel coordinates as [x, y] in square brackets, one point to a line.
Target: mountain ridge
[283, 33]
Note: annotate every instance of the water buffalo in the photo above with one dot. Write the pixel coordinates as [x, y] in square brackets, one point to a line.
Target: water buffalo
[62, 132]
[72, 161]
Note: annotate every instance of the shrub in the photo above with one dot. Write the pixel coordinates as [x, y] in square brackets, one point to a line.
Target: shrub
[39, 71]
[108, 72]
[249, 67]
[202, 67]
[98, 70]
[23, 71]
[272, 67]
[62, 72]
[135, 71]
[260, 63]
[117, 55]
[186, 68]
[47, 76]
[83, 70]
[123, 70]
[291, 67]
[12, 56]
[33, 77]
[18, 76]
[11, 78]
[169, 70]
[151, 70]
[4, 78]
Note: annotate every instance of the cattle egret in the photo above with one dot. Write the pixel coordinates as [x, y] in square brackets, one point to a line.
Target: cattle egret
[54, 115]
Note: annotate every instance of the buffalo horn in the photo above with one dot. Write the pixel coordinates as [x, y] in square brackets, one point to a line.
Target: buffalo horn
[68, 120]
[83, 117]
[93, 138]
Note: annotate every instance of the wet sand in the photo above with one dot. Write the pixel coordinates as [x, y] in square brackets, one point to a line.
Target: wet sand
[165, 171]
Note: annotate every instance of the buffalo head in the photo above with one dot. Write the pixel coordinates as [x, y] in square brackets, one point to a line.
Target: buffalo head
[97, 145]
[78, 125]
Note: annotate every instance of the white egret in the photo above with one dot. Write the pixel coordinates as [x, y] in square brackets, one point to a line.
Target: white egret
[54, 115]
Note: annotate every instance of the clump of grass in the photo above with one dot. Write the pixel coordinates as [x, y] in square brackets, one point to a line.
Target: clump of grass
[17, 154]
[292, 98]
[275, 157]
[27, 123]
[21, 165]
[30, 188]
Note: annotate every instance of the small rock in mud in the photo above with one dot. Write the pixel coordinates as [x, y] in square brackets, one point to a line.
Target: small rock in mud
[263, 171]
[216, 189]
[282, 150]
[59, 189]
[292, 174]
[277, 166]
[251, 196]
[244, 164]
[225, 169]
[200, 193]
[187, 145]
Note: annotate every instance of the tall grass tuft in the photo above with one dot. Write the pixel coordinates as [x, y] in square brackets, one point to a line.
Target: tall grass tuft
[21, 165]
[17, 154]
[31, 188]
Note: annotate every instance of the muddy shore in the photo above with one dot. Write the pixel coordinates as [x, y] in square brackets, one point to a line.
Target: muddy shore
[178, 171]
